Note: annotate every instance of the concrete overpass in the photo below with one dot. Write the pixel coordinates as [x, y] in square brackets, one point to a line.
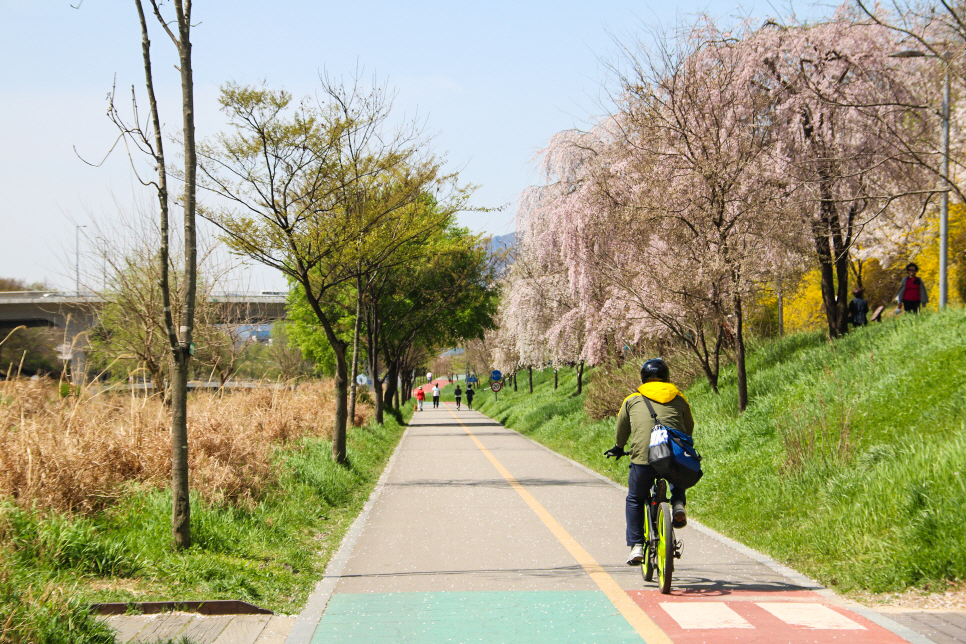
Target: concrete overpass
[77, 313]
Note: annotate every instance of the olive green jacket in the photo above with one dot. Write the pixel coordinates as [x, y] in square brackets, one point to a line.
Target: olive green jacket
[634, 420]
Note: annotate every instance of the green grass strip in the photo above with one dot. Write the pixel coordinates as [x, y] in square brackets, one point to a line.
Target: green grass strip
[848, 465]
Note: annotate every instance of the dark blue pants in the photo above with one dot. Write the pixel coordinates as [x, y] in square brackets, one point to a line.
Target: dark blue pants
[639, 482]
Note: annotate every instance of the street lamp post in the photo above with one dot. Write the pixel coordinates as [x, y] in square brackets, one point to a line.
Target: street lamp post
[944, 218]
[77, 258]
[944, 212]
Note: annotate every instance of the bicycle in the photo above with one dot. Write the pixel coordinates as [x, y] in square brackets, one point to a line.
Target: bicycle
[661, 548]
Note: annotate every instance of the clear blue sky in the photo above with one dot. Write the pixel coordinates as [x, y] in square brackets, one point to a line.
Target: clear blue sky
[494, 80]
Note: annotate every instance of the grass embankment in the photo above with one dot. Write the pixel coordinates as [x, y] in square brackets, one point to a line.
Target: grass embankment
[269, 507]
[849, 464]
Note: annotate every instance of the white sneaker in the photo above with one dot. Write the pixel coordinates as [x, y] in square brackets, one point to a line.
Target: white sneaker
[636, 556]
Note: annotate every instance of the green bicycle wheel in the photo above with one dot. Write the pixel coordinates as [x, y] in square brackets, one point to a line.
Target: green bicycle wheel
[665, 547]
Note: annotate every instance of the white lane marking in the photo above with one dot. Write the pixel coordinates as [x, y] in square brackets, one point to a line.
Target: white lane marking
[704, 615]
[810, 616]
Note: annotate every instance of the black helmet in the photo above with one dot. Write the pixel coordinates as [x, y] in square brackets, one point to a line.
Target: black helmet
[655, 368]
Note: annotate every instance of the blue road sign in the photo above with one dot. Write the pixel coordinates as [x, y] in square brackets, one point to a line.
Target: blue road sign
[472, 379]
[496, 375]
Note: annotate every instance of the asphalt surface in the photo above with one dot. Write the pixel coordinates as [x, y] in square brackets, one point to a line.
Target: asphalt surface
[477, 534]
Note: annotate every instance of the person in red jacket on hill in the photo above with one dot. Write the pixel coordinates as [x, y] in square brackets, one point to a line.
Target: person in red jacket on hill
[912, 292]
[420, 397]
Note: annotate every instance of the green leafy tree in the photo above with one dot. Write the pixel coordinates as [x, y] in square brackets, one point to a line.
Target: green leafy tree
[319, 190]
[444, 295]
[305, 333]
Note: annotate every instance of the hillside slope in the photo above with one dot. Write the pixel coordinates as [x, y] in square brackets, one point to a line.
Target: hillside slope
[848, 465]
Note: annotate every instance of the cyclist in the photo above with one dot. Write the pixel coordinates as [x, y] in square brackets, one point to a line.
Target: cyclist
[634, 422]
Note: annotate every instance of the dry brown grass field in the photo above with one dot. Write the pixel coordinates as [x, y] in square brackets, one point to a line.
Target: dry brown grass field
[79, 453]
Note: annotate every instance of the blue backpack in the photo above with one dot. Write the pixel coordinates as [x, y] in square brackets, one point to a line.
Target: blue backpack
[672, 454]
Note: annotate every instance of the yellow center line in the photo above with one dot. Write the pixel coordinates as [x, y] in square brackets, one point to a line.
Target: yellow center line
[633, 613]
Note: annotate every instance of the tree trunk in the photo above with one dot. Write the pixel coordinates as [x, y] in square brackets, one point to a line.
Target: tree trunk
[740, 354]
[180, 506]
[828, 297]
[407, 385]
[556, 379]
[181, 526]
[709, 359]
[341, 403]
[580, 378]
[841, 240]
[371, 335]
[514, 376]
[392, 384]
[179, 340]
[833, 254]
[341, 383]
[842, 296]
[355, 353]
[379, 400]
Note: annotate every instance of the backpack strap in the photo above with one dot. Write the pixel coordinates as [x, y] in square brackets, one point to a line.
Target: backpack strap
[650, 408]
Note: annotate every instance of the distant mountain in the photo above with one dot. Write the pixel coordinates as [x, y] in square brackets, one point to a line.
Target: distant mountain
[503, 242]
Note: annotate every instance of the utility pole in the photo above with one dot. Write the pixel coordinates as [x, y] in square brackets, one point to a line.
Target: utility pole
[944, 170]
[77, 228]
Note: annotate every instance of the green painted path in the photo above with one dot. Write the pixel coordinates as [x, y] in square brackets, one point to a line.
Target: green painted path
[534, 617]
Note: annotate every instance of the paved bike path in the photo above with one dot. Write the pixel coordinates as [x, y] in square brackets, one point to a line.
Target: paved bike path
[477, 534]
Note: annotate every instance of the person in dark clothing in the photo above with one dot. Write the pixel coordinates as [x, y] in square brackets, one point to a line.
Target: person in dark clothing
[858, 309]
[459, 396]
[912, 291]
[469, 396]
[634, 422]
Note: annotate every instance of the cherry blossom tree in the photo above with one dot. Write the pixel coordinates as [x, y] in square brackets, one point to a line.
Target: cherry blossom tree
[833, 87]
[732, 161]
[665, 212]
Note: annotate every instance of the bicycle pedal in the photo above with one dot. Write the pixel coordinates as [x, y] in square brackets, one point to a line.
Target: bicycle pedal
[678, 549]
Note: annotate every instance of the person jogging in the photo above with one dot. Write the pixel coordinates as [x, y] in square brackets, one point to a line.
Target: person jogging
[459, 396]
[420, 397]
[469, 396]
[634, 422]
[435, 396]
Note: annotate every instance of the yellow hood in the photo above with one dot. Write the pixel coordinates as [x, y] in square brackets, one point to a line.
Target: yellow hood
[662, 392]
